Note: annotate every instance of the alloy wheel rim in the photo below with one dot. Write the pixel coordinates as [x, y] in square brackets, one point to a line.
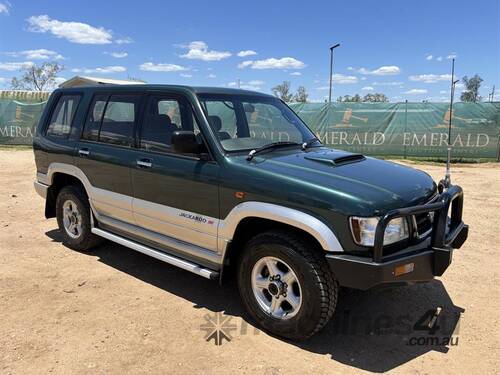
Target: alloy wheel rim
[72, 219]
[276, 288]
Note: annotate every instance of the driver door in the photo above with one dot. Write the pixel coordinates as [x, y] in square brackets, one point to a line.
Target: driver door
[175, 195]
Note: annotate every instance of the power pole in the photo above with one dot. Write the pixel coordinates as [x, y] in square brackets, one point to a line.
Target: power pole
[331, 71]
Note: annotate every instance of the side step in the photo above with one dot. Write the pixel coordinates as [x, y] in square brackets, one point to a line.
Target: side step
[170, 259]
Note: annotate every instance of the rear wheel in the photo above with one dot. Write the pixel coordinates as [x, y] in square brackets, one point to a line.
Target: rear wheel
[286, 285]
[73, 218]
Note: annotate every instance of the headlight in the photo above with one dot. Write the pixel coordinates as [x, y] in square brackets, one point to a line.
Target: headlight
[363, 230]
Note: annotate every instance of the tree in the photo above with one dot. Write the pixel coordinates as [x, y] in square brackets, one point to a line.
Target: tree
[350, 99]
[301, 95]
[375, 98]
[372, 98]
[282, 91]
[471, 92]
[37, 78]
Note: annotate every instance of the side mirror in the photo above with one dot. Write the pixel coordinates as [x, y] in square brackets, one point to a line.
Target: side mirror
[184, 142]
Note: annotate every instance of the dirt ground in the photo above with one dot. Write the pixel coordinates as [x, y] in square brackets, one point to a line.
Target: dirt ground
[116, 311]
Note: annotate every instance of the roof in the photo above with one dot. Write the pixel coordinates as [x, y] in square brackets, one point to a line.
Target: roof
[182, 88]
[78, 81]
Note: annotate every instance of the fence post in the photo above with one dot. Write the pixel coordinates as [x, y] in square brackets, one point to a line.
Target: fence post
[498, 149]
[406, 124]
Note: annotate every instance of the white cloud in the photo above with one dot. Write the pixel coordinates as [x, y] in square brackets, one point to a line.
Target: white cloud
[344, 79]
[443, 92]
[416, 91]
[60, 80]
[12, 66]
[273, 63]
[125, 40]
[5, 7]
[103, 70]
[391, 83]
[37, 54]
[186, 75]
[382, 71]
[254, 85]
[429, 57]
[430, 78]
[151, 67]
[295, 73]
[367, 88]
[452, 55]
[246, 53]
[439, 58]
[75, 32]
[198, 50]
[118, 55]
[211, 75]
[350, 68]
[256, 82]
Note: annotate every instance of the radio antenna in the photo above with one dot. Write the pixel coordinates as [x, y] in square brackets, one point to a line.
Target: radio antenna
[447, 175]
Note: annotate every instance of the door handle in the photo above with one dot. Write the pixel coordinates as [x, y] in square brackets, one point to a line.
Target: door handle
[83, 152]
[144, 163]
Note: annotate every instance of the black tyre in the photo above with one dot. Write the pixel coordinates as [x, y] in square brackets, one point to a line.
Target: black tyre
[73, 218]
[286, 285]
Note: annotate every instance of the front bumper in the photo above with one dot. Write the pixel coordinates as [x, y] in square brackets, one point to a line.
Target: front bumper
[417, 263]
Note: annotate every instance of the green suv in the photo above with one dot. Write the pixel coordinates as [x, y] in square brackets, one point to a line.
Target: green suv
[208, 179]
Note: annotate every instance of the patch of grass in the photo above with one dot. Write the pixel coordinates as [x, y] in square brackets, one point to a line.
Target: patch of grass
[15, 147]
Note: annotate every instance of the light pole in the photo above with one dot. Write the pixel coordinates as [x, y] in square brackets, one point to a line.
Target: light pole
[331, 70]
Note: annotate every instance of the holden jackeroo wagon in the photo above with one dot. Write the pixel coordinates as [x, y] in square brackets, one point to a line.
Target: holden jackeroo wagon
[212, 179]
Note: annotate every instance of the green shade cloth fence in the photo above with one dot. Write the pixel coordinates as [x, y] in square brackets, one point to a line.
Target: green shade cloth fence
[406, 129]
[395, 129]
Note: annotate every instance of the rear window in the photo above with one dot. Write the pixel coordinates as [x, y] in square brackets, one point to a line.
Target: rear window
[111, 119]
[62, 116]
[118, 122]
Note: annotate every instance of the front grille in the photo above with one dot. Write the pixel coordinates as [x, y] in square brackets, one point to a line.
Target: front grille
[422, 223]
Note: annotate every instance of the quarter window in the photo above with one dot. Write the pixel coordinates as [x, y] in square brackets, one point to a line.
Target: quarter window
[62, 116]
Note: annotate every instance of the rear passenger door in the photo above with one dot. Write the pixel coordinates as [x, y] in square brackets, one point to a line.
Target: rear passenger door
[105, 154]
[175, 195]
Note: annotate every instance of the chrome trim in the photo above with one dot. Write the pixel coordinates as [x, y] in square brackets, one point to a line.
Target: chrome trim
[84, 152]
[286, 215]
[41, 189]
[145, 164]
[181, 263]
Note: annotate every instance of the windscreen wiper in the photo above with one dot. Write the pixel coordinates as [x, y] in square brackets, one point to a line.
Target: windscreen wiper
[271, 146]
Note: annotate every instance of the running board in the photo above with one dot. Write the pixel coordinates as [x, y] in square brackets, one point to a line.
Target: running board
[170, 259]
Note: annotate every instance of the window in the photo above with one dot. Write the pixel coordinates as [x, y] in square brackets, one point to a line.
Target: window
[222, 118]
[112, 120]
[93, 123]
[62, 116]
[163, 116]
[246, 122]
[117, 125]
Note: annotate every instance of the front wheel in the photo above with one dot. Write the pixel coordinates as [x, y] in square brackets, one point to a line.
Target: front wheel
[286, 285]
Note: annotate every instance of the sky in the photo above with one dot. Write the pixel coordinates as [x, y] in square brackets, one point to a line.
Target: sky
[400, 48]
